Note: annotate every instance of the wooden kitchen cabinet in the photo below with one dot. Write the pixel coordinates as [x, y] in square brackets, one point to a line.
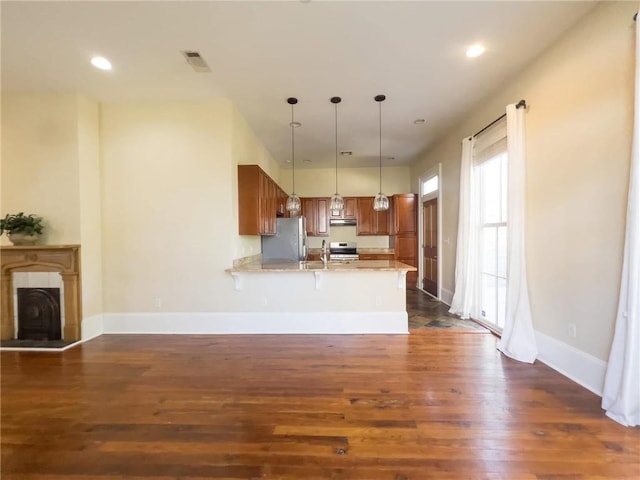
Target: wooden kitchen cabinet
[404, 231]
[257, 201]
[282, 203]
[316, 212]
[347, 213]
[370, 222]
[404, 218]
[268, 204]
[322, 226]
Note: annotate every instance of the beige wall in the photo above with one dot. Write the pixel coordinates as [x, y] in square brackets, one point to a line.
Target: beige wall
[352, 182]
[40, 172]
[51, 167]
[169, 228]
[90, 203]
[148, 190]
[579, 130]
[246, 149]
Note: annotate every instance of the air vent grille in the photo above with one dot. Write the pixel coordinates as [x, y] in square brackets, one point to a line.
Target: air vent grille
[196, 61]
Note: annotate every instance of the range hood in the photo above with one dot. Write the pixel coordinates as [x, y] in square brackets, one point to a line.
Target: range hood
[342, 222]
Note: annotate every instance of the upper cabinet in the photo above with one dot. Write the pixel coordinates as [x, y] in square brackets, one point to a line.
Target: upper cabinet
[258, 201]
[347, 213]
[316, 212]
[282, 203]
[261, 201]
[370, 222]
[404, 219]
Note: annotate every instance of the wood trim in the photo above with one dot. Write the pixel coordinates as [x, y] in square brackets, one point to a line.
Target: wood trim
[64, 259]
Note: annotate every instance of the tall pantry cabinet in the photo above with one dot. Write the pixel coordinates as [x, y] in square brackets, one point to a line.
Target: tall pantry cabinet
[404, 231]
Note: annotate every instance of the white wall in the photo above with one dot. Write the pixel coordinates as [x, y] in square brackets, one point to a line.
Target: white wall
[40, 172]
[579, 127]
[51, 167]
[148, 190]
[169, 225]
[352, 182]
[90, 203]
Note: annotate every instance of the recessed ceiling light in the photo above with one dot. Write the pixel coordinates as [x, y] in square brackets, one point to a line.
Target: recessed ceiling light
[101, 63]
[346, 153]
[295, 124]
[475, 50]
[419, 121]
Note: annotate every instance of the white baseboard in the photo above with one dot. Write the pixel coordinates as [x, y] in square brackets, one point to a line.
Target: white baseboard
[446, 296]
[582, 368]
[258, 323]
[92, 327]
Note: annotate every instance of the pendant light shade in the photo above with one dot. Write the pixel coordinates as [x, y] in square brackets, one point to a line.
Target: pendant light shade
[337, 202]
[293, 201]
[381, 202]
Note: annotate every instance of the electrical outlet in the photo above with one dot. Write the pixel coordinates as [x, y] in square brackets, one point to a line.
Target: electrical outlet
[158, 302]
[378, 300]
[573, 331]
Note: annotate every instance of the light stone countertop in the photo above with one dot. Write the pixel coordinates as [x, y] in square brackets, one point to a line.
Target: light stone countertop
[376, 251]
[364, 250]
[314, 266]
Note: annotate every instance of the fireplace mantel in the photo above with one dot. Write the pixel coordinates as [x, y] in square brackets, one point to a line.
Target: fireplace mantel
[64, 259]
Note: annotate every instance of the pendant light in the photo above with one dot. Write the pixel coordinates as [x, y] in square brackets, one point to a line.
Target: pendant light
[293, 201]
[381, 201]
[337, 202]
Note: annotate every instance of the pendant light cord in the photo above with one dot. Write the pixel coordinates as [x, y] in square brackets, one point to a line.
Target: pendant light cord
[293, 159]
[336, 115]
[380, 136]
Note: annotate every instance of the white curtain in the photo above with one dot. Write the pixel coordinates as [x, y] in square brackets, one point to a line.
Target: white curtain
[621, 396]
[518, 339]
[465, 250]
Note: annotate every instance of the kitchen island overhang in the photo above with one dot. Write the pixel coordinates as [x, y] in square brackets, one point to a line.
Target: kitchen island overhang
[359, 297]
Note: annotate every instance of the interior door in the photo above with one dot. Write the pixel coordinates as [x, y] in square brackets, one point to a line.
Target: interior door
[430, 247]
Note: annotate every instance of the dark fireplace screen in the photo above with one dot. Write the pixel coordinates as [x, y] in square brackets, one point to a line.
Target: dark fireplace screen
[39, 314]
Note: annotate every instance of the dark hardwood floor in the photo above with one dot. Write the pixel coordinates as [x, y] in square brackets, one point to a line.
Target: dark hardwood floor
[433, 404]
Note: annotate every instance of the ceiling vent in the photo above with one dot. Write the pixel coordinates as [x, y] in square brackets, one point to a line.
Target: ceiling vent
[196, 61]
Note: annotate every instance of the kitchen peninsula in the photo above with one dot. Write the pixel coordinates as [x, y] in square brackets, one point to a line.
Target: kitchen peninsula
[359, 297]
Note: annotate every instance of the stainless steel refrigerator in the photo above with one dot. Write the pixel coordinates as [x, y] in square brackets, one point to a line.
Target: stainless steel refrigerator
[289, 243]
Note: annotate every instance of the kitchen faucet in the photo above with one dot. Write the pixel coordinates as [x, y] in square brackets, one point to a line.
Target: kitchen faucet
[323, 257]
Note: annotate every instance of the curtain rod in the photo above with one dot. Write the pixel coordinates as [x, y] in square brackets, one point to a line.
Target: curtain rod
[520, 104]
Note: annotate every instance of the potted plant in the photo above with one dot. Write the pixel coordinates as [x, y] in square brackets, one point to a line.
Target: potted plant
[21, 229]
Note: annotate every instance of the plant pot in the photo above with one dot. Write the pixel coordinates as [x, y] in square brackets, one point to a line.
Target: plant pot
[18, 238]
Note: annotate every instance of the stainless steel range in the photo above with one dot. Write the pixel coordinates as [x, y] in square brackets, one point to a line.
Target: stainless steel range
[343, 251]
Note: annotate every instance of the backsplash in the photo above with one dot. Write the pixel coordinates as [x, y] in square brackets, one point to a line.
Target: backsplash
[348, 234]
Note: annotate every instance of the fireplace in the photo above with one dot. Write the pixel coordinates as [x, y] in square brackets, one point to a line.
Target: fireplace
[44, 315]
[39, 314]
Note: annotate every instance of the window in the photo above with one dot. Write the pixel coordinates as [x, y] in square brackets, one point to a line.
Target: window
[430, 186]
[490, 173]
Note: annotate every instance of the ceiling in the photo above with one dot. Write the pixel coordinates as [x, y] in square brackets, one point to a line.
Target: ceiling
[260, 53]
